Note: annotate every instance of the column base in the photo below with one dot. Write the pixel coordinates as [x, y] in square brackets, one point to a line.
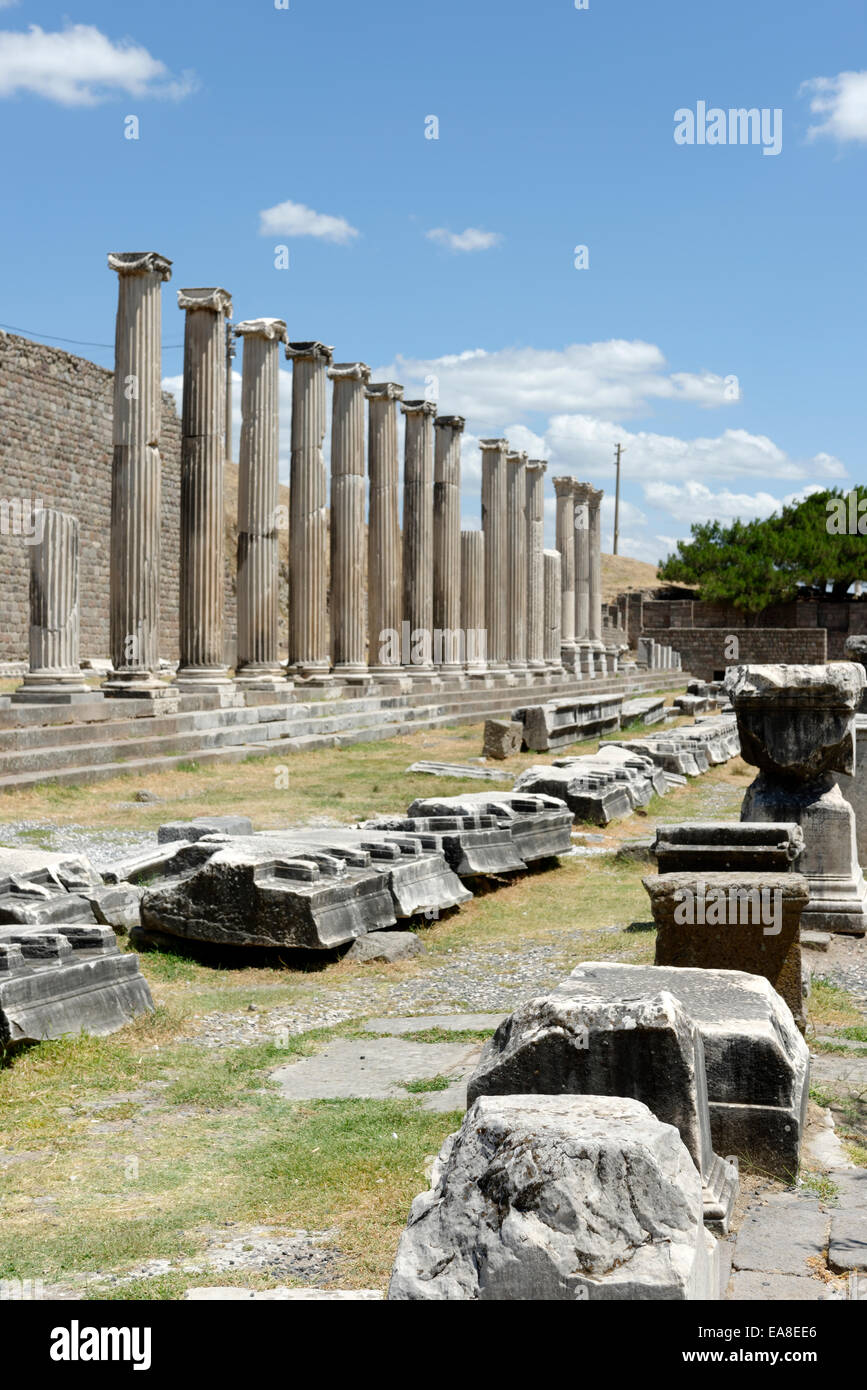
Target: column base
[478, 679]
[138, 685]
[352, 674]
[391, 677]
[569, 658]
[54, 694]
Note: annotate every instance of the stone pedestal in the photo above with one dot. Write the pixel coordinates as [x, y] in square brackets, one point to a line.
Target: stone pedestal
[55, 675]
[135, 478]
[258, 663]
[495, 528]
[553, 611]
[473, 603]
[384, 587]
[348, 548]
[564, 489]
[855, 648]
[796, 724]
[309, 659]
[202, 460]
[418, 537]
[452, 655]
[535, 506]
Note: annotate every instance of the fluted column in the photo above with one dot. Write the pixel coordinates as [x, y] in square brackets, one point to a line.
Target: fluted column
[54, 675]
[202, 463]
[135, 478]
[585, 662]
[418, 534]
[536, 470]
[563, 487]
[553, 611]
[516, 501]
[384, 591]
[258, 483]
[348, 550]
[473, 620]
[495, 528]
[594, 588]
[447, 544]
[308, 515]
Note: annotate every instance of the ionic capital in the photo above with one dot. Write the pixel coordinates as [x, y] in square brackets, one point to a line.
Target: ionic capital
[419, 408]
[262, 328]
[349, 371]
[217, 300]
[140, 263]
[313, 352]
[384, 391]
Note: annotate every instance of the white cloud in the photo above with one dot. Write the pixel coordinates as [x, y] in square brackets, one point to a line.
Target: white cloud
[80, 66]
[841, 104]
[615, 377]
[473, 239]
[7, 4]
[294, 219]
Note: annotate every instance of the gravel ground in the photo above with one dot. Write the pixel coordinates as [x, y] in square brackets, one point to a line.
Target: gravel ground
[100, 846]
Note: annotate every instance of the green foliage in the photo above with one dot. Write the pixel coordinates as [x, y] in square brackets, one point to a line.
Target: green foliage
[753, 564]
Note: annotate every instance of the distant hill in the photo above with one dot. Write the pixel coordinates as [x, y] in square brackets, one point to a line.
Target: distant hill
[620, 575]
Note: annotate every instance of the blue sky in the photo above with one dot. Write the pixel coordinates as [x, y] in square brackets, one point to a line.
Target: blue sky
[718, 330]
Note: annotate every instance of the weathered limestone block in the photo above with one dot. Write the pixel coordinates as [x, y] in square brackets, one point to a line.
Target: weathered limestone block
[560, 1198]
[797, 725]
[251, 892]
[476, 772]
[733, 921]
[203, 825]
[854, 787]
[597, 796]
[649, 709]
[116, 906]
[384, 947]
[728, 846]
[558, 723]
[420, 880]
[502, 738]
[71, 979]
[541, 826]
[646, 1047]
[855, 648]
[473, 846]
[756, 1062]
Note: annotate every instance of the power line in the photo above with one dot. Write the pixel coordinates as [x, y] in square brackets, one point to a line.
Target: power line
[79, 342]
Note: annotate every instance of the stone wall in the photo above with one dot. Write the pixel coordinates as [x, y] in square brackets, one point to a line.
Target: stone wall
[55, 447]
[703, 649]
[839, 620]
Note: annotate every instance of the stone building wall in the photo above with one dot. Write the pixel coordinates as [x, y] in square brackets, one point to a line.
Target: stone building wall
[55, 448]
[839, 620]
[703, 649]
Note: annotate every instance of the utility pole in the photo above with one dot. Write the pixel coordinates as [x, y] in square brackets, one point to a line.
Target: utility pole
[618, 450]
[230, 353]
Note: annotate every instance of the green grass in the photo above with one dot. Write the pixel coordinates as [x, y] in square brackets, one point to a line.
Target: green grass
[427, 1083]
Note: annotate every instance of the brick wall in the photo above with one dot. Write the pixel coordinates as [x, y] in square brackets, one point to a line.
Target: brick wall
[703, 649]
[838, 619]
[55, 445]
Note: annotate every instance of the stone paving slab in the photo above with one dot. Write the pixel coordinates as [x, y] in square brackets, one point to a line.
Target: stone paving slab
[751, 1286]
[781, 1233]
[828, 1067]
[373, 1070]
[849, 1222]
[235, 1295]
[458, 1023]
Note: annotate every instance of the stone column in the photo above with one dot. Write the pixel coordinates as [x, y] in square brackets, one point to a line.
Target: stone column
[553, 612]
[448, 653]
[418, 536]
[384, 591]
[585, 664]
[473, 616]
[55, 675]
[258, 661]
[536, 470]
[135, 478]
[564, 489]
[516, 503]
[202, 462]
[308, 515]
[348, 548]
[594, 501]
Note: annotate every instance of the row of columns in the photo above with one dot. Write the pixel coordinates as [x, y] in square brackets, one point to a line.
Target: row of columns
[501, 603]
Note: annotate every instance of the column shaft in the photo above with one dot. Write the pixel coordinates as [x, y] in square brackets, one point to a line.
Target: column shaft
[516, 465]
[202, 464]
[563, 487]
[447, 542]
[384, 592]
[135, 482]
[536, 565]
[495, 529]
[553, 610]
[55, 673]
[594, 594]
[258, 483]
[348, 550]
[308, 514]
[418, 533]
[473, 600]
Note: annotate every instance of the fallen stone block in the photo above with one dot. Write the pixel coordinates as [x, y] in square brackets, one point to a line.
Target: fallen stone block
[646, 1047]
[54, 983]
[729, 846]
[649, 709]
[203, 825]
[385, 946]
[541, 826]
[558, 1198]
[473, 846]
[596, 798]
[756, 1062]
[561, 722]
[462, 770]
[502, 738]
[116, 905]
[248, 892]
[420, 880]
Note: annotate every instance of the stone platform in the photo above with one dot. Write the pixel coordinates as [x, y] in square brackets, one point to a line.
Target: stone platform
[103, 738]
